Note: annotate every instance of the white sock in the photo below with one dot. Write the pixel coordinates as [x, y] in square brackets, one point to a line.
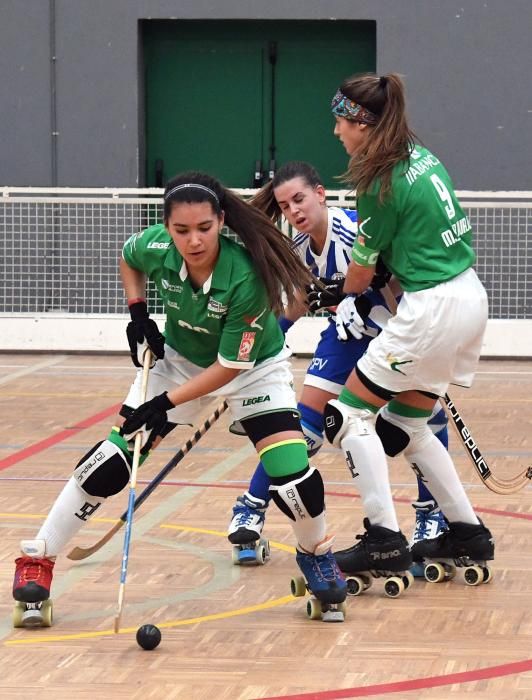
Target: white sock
[436, 466]
[70, 511]
[310, 532]
[367, 463]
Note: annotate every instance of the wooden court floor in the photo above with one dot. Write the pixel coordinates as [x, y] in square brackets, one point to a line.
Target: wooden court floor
[232, 632]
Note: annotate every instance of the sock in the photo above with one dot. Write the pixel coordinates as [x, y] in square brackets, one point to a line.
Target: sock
[436, 466]
[367, 463]
[260, 484]
[70, 511]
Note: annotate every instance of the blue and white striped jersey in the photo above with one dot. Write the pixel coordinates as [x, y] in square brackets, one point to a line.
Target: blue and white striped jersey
[334, 259]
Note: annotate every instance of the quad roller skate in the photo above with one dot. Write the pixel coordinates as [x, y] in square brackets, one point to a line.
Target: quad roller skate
[324, 581]
[462, 545]
[430, 522]
[380, 553]
[31, 587]
[245, 531]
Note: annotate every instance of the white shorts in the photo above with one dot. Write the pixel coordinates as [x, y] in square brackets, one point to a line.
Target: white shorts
[264, 388]
[434, 339]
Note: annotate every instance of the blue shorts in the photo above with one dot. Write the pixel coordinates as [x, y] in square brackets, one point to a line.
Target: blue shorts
[334, 360]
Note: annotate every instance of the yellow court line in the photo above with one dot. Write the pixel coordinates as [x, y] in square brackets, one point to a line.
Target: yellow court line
[173, 623]
[218, 533]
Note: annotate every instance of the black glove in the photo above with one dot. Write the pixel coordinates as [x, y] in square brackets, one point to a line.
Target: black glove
[331, 295]
[141, 331]
[150, 418]
[381, 277]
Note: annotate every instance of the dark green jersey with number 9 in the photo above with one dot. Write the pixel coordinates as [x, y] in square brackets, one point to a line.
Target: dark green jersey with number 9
[420, 229]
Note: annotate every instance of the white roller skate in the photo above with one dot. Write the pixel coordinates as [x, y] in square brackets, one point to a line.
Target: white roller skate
[245, 530]
[430, 523]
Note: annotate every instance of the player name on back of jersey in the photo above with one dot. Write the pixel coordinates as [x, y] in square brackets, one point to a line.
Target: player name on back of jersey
[420, 166]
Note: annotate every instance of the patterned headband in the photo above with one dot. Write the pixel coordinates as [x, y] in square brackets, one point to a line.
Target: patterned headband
[342, 106]
[196, 186]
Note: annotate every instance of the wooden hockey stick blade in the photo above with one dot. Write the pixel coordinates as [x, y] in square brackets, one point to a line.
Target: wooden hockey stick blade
[79, 553]
[500, 486]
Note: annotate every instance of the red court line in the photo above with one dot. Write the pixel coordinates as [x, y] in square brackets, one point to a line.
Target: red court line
[58, 437]
[414, 684]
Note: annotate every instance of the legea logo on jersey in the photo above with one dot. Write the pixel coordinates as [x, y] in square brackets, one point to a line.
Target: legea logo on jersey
[158, 244]
[165, 284]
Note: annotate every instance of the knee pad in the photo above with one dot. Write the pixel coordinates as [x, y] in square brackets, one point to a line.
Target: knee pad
[301, 497]
[265, 424]
[104, 470]
[312, 426]
[339, 418]
[401, 433]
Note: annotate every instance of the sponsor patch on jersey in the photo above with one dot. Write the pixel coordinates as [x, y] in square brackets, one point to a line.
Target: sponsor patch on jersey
[165, 284]
[246, 345]
[216, 306]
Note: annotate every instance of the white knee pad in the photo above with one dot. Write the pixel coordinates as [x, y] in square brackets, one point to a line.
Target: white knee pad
[341, 418]
[402, 434]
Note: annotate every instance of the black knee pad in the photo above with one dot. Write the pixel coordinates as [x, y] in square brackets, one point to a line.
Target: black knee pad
[259, 427]
[104, 470]
[300, 497]
[394, 439]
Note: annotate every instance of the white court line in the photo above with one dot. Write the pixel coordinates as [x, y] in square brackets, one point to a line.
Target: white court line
[31, 369]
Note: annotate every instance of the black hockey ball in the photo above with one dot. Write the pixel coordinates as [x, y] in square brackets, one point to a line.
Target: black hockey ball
[148, 637]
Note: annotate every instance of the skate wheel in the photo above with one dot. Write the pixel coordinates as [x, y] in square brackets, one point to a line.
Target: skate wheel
[18, 611]
[298, 586]
[394, 586]
[234, 556]
[342, 607]
[314, 609]
[408, 579]
[47, 613]
[473, 575]
[434, 573]
[266, 545]
[260, 554]
[488, 574]
[357, 585]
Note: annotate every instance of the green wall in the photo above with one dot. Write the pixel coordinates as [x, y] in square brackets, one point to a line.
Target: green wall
[214, 103]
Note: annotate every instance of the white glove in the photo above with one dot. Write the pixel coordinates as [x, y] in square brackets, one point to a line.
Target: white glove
[348, 321]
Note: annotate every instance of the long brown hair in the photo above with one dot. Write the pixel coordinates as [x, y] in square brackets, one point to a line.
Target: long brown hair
[265, 200]
[390, 141]
[280, 269]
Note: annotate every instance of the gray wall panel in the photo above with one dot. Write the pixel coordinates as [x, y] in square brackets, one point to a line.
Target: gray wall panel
[468, 68]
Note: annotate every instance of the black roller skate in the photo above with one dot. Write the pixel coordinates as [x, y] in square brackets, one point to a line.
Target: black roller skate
[324, 581]
[380, 553]
[31, 587]
[245, 530]
[462, 545]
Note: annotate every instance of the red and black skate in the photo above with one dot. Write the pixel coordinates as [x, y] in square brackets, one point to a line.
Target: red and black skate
[31, 590]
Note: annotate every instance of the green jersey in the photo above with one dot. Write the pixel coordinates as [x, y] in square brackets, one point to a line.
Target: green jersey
[228, 318]
[420, 229]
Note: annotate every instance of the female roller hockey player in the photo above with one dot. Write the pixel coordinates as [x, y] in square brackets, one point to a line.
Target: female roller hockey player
[221, 337]
[323, 240]
[408, 214]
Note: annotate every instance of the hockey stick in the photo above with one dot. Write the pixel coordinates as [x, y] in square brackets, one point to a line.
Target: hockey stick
[500, 486]
[79, 553]
[146, 362]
